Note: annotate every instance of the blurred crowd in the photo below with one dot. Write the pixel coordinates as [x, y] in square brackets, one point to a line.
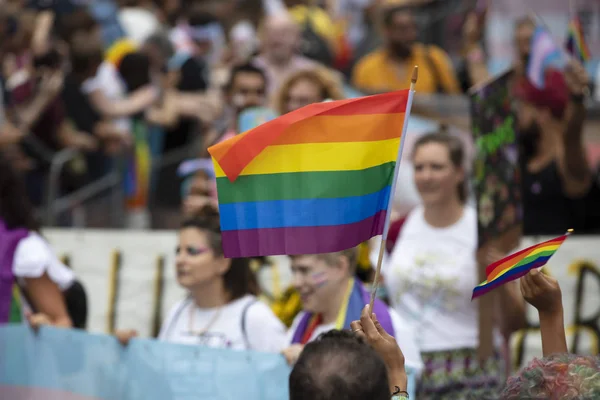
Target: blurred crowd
[136, 88]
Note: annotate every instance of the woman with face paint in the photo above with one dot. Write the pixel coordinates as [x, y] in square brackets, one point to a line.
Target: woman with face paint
[221, 309]
[332, 298]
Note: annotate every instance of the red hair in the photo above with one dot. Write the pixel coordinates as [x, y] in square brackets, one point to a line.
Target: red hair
[554, 95]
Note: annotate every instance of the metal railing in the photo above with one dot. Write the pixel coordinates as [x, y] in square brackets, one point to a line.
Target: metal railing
[111, 184]
[74, 202]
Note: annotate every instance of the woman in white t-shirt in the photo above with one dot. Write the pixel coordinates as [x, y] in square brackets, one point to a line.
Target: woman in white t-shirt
[222, 310]
[431, 274]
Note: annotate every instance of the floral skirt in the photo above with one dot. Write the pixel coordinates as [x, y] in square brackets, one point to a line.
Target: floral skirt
[458, 375]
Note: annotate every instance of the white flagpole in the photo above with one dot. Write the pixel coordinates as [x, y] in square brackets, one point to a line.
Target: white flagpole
[386, 226]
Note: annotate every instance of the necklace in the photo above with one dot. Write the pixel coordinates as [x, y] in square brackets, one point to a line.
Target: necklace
[206, 328]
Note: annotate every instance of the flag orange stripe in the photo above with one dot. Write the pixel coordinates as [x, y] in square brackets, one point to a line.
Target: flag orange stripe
[234, 155]
[326, 128]
[518, 256]
[357, 128]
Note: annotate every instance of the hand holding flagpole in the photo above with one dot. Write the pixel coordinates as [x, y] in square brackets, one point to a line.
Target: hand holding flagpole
[386, 226]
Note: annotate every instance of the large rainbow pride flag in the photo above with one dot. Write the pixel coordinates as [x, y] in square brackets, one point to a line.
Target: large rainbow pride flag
[316, 180]
[518, 265]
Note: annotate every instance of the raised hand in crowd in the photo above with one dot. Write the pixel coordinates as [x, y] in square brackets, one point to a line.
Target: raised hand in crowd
[543, 292]
[125, 336]
[576, 77]
[51, 83]
[473, 29]
[371, 331]
[9, 134]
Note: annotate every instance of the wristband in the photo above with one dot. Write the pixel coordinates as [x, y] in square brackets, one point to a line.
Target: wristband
[399, 394]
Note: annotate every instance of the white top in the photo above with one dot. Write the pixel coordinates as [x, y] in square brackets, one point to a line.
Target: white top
[264, 332]
[34, 257]
[404, 336]
[109, 81]
[430, 278]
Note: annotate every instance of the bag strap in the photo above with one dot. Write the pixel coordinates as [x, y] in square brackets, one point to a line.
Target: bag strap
[244, 329]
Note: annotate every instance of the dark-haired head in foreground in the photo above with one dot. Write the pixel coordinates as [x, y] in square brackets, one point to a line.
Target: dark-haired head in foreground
[339, 365]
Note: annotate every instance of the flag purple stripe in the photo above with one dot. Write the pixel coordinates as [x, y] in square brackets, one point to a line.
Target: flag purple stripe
[31, 393]
[301, 240]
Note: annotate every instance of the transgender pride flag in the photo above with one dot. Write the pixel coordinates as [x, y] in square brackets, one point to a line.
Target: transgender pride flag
[544, 53]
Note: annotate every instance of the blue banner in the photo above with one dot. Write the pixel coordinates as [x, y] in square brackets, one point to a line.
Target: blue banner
[74, 365]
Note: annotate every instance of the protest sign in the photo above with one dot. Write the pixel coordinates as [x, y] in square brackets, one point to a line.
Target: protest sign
[497, 179]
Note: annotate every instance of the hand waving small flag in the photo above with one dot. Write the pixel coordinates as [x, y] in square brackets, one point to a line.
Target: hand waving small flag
[517, 265]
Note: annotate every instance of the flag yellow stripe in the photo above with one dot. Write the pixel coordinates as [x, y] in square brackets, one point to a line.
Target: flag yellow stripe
[312, 157]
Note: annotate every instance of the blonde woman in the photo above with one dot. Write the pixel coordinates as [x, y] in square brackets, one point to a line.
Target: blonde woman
[305, 87]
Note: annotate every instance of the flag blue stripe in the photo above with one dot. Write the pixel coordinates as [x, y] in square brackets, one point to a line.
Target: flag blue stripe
[302, 213]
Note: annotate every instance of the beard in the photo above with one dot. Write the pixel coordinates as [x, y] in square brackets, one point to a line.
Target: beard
[528, 139]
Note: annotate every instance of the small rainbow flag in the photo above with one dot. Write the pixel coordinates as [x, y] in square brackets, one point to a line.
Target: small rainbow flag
[576, 45]
[315, 180]
[138, 169]
[517, 265]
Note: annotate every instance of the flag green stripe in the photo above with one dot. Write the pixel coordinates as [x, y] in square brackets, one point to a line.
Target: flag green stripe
[528, 259]
[305, 185]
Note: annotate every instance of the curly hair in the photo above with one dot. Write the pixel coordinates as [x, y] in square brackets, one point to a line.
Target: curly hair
[330, 86]
[559, 376]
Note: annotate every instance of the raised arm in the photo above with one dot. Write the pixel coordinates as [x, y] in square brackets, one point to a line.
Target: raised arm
[574, 167]
[543, 292]
[138, 101]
